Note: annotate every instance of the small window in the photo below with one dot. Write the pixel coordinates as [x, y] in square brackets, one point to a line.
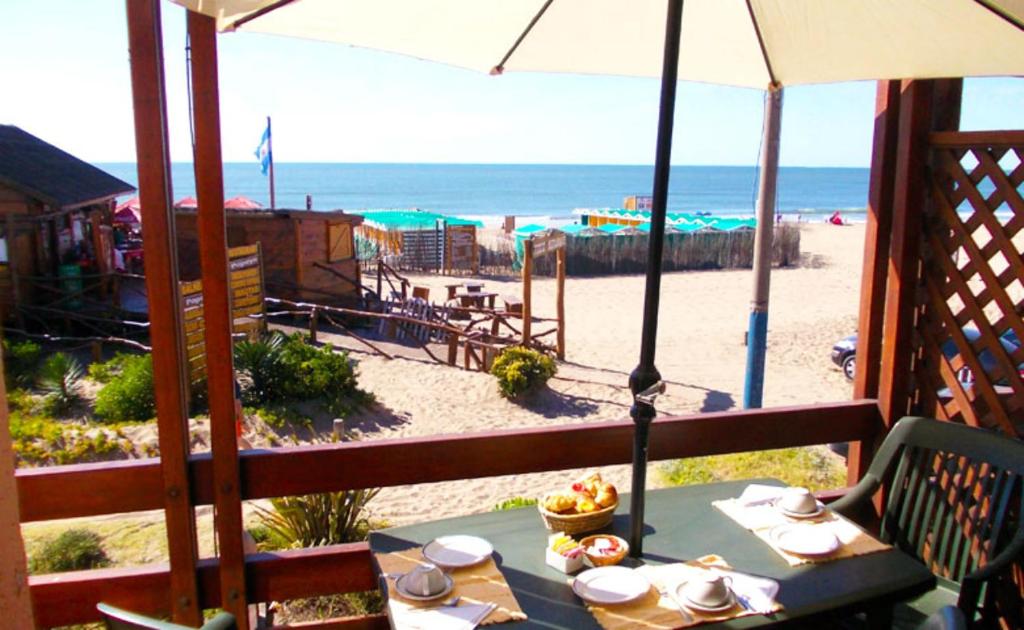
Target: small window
[339, 242]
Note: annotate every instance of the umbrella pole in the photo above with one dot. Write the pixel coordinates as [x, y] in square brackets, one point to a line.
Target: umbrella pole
[645, 379]
[757, 335]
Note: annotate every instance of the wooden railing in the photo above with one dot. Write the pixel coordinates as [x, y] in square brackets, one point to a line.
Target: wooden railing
[135, 485]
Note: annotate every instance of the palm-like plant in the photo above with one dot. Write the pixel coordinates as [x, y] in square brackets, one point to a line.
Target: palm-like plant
[262, 362]
[319, 519]
[61, 379]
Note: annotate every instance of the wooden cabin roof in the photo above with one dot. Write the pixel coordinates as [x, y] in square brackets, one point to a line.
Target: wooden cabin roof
[277, 213]
[57, 178]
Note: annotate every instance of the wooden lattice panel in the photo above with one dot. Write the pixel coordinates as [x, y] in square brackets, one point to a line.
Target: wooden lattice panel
[971, 297]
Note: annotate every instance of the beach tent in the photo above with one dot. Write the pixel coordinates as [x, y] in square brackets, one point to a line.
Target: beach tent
[576, 229]
[242, 203]
[424, 239]
[763, 44]
[611, 228]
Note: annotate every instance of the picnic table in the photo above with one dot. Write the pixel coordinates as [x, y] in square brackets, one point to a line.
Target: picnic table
[477, 299]
[681, 524]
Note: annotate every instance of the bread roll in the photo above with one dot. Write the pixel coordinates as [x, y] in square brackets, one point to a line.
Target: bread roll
[606, 495]
[559, 503]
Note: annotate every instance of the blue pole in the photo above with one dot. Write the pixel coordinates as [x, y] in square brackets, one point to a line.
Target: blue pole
[757, 335]
[757, 340]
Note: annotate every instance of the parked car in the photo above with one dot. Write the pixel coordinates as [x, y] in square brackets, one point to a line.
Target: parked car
[844, 354]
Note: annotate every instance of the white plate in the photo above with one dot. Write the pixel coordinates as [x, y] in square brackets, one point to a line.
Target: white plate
[457, 551]
[817, 512]
[729, 602]
[805, 540]
[610, 585]
[449, 584]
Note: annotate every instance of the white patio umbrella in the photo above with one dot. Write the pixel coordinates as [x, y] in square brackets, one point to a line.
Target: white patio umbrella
[764, 44]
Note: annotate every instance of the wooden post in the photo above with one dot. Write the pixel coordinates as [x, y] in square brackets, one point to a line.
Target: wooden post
[217, 315]
[876, 257]
[314, 316]
[453, 348]
[14, 595]
[910, 195]
[560, 302]
[145, 45]
[380, 274]
[527, 289]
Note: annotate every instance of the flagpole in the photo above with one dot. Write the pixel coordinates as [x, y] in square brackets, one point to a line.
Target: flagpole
[270, 153]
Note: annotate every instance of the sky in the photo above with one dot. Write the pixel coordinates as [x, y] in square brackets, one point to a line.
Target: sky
[66, 79]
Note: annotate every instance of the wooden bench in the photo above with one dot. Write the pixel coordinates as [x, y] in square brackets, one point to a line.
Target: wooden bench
[513, 304]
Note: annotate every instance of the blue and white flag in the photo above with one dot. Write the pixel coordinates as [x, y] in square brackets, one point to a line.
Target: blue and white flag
[263, 151]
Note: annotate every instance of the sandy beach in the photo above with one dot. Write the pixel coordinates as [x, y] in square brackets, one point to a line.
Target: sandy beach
[700, 354]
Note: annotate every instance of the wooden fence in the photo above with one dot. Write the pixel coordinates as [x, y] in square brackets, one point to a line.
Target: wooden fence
[135, 485]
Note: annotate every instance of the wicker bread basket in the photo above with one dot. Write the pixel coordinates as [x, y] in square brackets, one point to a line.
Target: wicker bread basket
[576, 523]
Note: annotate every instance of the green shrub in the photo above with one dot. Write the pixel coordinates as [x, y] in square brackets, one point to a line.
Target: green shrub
[514, 503]
[318, 519]
[106, 371]
[61, 379]
[520, 370]
[73, 550]
[21, 358]
[129, 395]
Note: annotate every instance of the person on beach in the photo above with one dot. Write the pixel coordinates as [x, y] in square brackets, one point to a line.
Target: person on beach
[836, 219]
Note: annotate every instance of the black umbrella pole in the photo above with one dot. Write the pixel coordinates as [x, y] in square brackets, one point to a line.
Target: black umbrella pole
[646, 375]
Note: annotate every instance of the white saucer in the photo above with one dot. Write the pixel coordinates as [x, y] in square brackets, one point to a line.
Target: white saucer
[729, 602]
[610, 585]
[457, 551]
[804, 539]
[449, 584]
[818, 512]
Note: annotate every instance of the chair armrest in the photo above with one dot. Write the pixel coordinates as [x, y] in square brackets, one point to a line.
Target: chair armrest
[857, 498]
[970, 587]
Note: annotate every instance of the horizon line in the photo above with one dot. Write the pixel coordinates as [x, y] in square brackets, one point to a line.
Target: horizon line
[867, 167]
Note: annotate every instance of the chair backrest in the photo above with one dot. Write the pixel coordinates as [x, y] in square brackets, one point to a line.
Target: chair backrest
[954, 493]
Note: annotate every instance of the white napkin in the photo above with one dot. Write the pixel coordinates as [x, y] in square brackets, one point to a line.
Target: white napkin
[757, 593]
[760, 494]
[464, 617]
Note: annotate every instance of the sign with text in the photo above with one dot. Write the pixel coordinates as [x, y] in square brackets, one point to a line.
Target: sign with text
[245, 267]
[546, 242]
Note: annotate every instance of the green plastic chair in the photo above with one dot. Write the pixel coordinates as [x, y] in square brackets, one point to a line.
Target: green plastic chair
[119, 619]
[954, 503]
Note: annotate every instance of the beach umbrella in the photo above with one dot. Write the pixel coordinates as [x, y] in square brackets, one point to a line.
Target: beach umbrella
[187, 203]
[128, 212]
[242, 203]
[763, 44]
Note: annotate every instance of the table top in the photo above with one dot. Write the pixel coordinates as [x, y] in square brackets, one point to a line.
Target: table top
[681, 524]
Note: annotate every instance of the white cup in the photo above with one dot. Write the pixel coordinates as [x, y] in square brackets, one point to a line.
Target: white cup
[425, 580]
[710, 590]
[798, 501]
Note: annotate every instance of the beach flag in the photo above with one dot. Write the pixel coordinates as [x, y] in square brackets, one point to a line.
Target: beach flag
[263, 151]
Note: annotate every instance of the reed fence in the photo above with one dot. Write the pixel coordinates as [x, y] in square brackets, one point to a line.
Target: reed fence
[615, 254]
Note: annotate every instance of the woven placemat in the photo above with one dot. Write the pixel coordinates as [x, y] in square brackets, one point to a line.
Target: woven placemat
[658, 612]
[761, 519]
[480, 584]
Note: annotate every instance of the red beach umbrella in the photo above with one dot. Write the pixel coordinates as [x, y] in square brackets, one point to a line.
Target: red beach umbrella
[242, 203]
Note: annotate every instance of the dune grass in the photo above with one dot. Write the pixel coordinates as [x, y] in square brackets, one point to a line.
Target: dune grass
[813, 467]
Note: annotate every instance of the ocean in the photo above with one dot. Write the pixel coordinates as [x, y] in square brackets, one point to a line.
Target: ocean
[544, 192]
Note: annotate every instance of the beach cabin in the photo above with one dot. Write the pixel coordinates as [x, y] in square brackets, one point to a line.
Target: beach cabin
[55, 219]
[307, 256]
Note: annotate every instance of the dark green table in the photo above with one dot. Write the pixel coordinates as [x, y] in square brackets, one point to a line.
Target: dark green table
[681, 524]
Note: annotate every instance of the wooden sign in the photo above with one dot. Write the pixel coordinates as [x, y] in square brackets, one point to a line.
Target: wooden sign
[461, 248]
[245, 265]
[547, 241]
